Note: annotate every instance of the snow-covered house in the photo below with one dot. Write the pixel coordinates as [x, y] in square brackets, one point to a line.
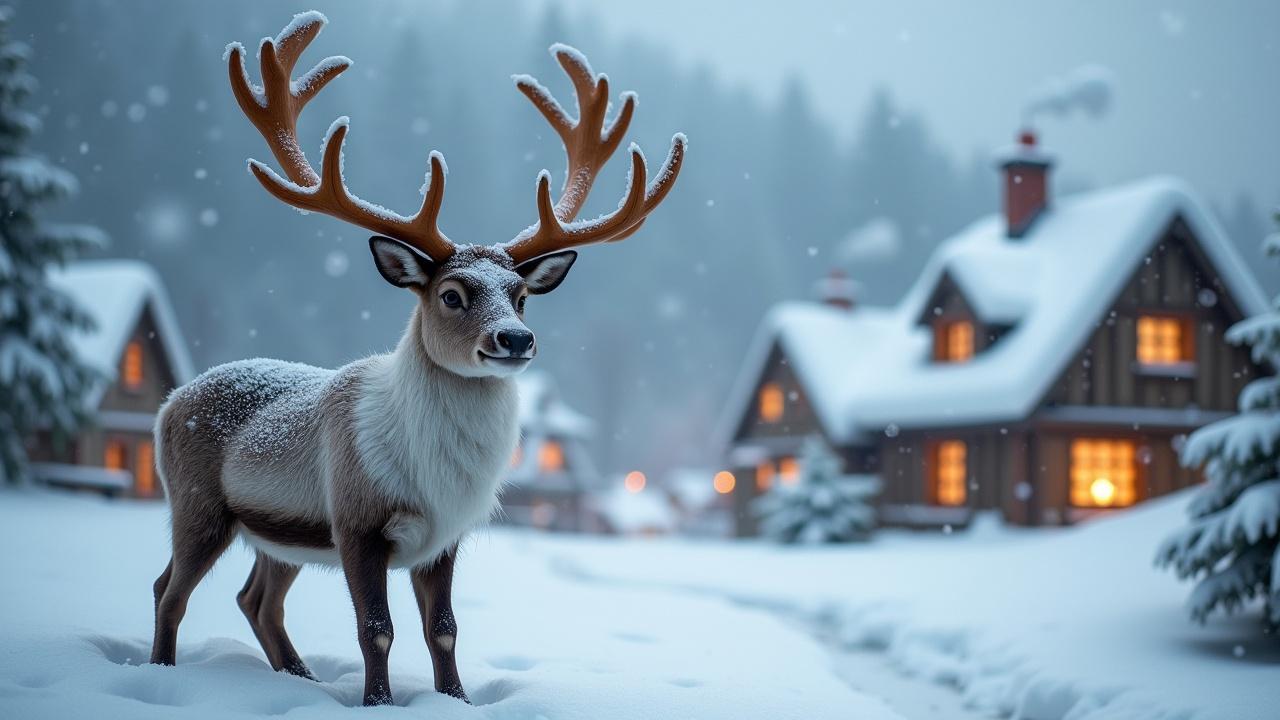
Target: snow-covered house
[138, 348]
[1046, 362]
[552, 471]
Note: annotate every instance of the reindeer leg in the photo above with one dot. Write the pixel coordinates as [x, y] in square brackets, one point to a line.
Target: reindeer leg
[365, 556]
[262, 601]
[433, 587]
[196, 547]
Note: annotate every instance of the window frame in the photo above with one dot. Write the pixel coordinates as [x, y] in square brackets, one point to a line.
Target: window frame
[1185, 364]
[935, 469]
[122, 447]
[1081, 498]
[771, 403]
[944, 339]
[548, 449]
[133, 359]
[144, 469]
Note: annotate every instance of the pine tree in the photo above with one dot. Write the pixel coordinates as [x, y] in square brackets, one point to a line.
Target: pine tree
[42, 383]
[823, 506]
[1230, 546]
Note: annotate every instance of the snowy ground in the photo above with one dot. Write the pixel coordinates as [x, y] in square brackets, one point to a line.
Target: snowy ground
[75, 626]
[1053, 625]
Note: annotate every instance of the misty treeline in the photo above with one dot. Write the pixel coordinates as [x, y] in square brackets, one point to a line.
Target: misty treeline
[645, 336]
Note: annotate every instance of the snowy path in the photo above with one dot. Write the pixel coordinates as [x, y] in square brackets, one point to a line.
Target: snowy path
[75, 622]
[1068, 624]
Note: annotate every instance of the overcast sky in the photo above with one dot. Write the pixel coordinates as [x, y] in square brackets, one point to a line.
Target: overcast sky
[1197, 84]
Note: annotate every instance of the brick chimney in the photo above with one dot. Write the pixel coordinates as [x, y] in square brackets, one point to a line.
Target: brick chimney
[1026, 183]
[838, 290]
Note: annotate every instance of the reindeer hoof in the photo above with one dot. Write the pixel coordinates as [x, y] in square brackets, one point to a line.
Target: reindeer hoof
[456, 691]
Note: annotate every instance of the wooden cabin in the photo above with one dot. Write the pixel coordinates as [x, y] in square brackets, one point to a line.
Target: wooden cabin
[138, 348]
[551, 472]
[1047, 363]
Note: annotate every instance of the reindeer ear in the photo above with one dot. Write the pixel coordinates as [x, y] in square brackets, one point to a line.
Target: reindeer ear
[544, 274]
[400, 264]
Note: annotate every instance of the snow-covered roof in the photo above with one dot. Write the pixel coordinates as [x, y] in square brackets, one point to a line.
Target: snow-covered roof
[543, 412]
[115, 293]
[870, 368]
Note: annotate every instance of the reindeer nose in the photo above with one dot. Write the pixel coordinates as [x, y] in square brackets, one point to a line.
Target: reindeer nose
[515, 342]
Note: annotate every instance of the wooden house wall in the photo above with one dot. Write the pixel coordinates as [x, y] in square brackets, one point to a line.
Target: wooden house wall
[948, 304]
[1159, 471]
[1171, 281]
[996, 460]
[88, 447]
[157, 377]
[798, 418]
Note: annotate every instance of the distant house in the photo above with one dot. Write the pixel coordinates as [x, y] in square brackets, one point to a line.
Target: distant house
[552, 471]
[1046, 363]
[138, 347]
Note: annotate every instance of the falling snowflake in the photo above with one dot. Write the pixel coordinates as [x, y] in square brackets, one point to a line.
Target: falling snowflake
[336, 264]
[158, 95]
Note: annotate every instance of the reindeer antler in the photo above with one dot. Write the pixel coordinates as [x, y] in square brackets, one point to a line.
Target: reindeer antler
[588, 144]
[274, 108]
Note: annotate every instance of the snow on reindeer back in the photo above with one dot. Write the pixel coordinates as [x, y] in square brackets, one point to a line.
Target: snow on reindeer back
[263, 404]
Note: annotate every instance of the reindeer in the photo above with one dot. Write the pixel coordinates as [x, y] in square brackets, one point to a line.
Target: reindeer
[389, 461]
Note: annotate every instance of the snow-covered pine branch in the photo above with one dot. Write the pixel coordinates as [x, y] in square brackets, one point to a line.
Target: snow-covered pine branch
[822, 506]
[42, 382]
[1231, 545]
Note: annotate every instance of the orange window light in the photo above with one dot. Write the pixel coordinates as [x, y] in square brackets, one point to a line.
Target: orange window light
[1161, 341]
[131, 370]
[550, 457]
[789, 471]
[724, 482]
[113, 455]
[1104, 473]
[960, 341]
[765, 474]
[772, 402]
[144, 473]
[634, 482]
[950, 473]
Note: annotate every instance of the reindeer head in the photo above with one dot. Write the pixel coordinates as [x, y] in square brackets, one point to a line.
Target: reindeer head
[471, 297]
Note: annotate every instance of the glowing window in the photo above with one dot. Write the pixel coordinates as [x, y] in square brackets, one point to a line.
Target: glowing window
[114, 455]
[789, 471]
[144, 471]
[131, 368]
[950, 473]
[955, 341]
[550, 457]
[1162, 341]
[765, 473]
[772, 402]
[1104, 473]
[724, 482]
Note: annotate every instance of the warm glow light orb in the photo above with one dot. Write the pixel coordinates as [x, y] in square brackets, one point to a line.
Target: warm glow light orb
[1103, 491]
[634, 481]
[723, 482]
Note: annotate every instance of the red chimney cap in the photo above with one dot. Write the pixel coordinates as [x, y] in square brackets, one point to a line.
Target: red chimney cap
[1027, 138]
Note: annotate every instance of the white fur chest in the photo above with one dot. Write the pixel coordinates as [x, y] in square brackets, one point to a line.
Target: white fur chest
[436, 445]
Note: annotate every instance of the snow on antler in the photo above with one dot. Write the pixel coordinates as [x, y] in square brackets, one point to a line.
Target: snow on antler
[274, 110]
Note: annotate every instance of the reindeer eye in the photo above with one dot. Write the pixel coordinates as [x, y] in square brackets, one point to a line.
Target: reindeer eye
[451, 298]
[520, 304]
